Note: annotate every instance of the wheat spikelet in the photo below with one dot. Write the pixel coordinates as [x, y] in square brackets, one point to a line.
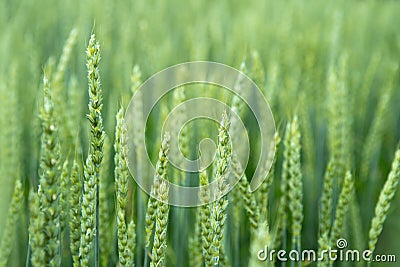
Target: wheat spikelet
[385, 198]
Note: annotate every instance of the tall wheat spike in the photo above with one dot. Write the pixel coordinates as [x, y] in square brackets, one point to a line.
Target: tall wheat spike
[121, 189]
[222, 172]
[90, 212]
[295, 185]
[385, 198]
[50, 168]
[162, 212]
[153, 203]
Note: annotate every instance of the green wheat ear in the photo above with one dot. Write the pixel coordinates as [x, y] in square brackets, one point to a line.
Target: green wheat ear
[385, 198]
[90, 209]
[60, 93]
[75, 193]
[263, 193]
[105, 211]
[153, 203]
[218, 215]
[12, 217]
[162, 212]
[205, 214]
[249, 200]
[36, 235]
[49, 191]
[343, 205]
[121, 189]
[295, 184]
[282, 217]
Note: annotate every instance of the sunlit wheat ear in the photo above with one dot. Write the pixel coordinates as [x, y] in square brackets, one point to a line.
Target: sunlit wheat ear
[218, 216]
[153, 203]
[385, 198]
[7, 242]
[121, 188]
[49, 173]
[90, 209]
[75, 196]
[162, 212]
[205, 215]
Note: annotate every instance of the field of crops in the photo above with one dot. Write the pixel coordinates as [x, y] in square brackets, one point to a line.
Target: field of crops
[68, 70]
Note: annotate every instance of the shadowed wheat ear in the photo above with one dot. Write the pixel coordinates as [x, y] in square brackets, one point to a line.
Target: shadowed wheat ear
[248, 198]
[12, 217]
[263, 195]
[106, 221]
[295, 184]
[36, 235]
[218, 215]
[385, 198]
[49, 191]
[59, 91]
[75, 195]
[282, 217]
[342, 207]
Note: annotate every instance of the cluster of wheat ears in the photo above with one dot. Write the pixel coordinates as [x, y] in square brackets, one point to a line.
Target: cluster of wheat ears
[330, 73]
[69, 214]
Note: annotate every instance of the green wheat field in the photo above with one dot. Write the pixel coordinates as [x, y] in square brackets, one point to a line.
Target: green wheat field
[68, 69]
